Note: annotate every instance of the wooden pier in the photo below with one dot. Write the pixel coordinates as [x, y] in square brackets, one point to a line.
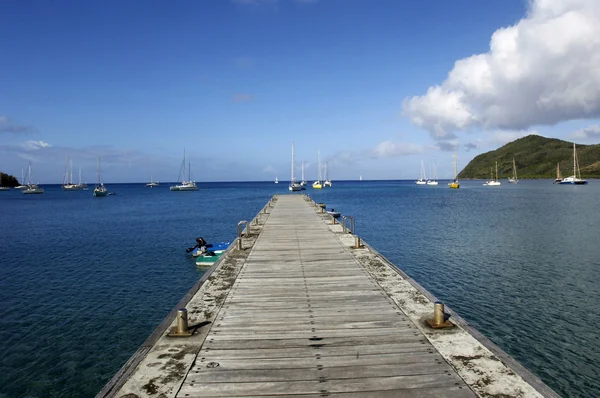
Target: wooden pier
[300, 312]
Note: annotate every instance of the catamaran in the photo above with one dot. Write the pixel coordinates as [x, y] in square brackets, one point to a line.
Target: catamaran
[491, 182]
[294, 186]
[576, 177]
[185, 185]
[434, 176]
[31, 187]
[454, 184]
[423, 178]
[514, 179]
[100, 190]
[318, 184]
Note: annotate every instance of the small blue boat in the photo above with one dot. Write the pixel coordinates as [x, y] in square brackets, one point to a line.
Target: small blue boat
[218, 247]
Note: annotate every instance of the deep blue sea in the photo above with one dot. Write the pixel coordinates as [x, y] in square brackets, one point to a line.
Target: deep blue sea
[84, 281]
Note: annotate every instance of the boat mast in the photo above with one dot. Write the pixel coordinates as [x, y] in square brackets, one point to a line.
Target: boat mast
[293, 179]
[303, 170]
[319, 159]
[574, 162]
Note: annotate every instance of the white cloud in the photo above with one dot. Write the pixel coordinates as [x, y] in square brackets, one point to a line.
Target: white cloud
[543, 70]
[497, 138]
[388, 149]
[590, 132]
[35, 145]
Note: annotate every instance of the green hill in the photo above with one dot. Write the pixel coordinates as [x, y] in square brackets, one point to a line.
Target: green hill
[536, 157]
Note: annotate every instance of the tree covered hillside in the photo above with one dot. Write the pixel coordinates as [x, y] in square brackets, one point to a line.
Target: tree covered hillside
[536, 157]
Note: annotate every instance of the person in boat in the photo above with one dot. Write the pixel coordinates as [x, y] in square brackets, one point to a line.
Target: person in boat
[200, 243]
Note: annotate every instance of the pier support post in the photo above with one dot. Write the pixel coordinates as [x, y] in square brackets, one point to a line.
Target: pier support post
[357, 244]
[439, 317]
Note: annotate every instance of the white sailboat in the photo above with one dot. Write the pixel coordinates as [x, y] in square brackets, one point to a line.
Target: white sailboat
[294, 186]
[576, 177]
[31, 187]
[360, 178]
[514, 179]
[185, 185]
[423, 178]
[276, 180]
[303, 182]
[434, 176]
[491, 182]
[152, 183]
[23, 185]
[327, 182]
[82, 185]
[100, 190]
[67, 184]
[318, 184]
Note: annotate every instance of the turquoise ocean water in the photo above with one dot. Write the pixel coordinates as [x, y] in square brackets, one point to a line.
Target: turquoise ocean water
[84, 281]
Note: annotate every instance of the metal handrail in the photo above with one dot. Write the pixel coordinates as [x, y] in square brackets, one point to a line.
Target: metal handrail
[345, 222]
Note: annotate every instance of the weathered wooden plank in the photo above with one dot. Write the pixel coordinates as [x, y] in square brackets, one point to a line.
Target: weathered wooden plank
[405, 358]
[326, 385]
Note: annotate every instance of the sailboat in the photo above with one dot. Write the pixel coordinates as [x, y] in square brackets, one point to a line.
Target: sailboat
[185, 185]
[318, 184]
[491, 182]
[31, 187]
[100, 190]
[276, 180]
[294, 186]
[82, 185]
[434, 176]
[22, 186]
[152, 183]
[423, 178]
[454, 184]
[514, 179]
[558, 177]
[67, 184]
[360, 177]
[327, 182]
[576, 177]
[303, 182]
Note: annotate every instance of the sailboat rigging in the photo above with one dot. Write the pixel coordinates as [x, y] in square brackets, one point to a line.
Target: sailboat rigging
[514, 178]
[185, 185]
[576, 177]
[31, 187]
[100, 190]
[493, 182]
[294, 186]
[327, 182]
[454, 184]
[434, 176]
[318, 184]
[423, 178]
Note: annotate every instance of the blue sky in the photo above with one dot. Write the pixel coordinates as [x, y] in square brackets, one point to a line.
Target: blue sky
[375, 85]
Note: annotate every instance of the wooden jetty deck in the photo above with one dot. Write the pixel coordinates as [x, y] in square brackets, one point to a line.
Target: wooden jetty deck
[307, 315]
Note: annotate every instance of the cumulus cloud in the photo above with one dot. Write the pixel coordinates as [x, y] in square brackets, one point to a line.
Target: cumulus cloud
[590, 132]
[7, 126]
[540, 71]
